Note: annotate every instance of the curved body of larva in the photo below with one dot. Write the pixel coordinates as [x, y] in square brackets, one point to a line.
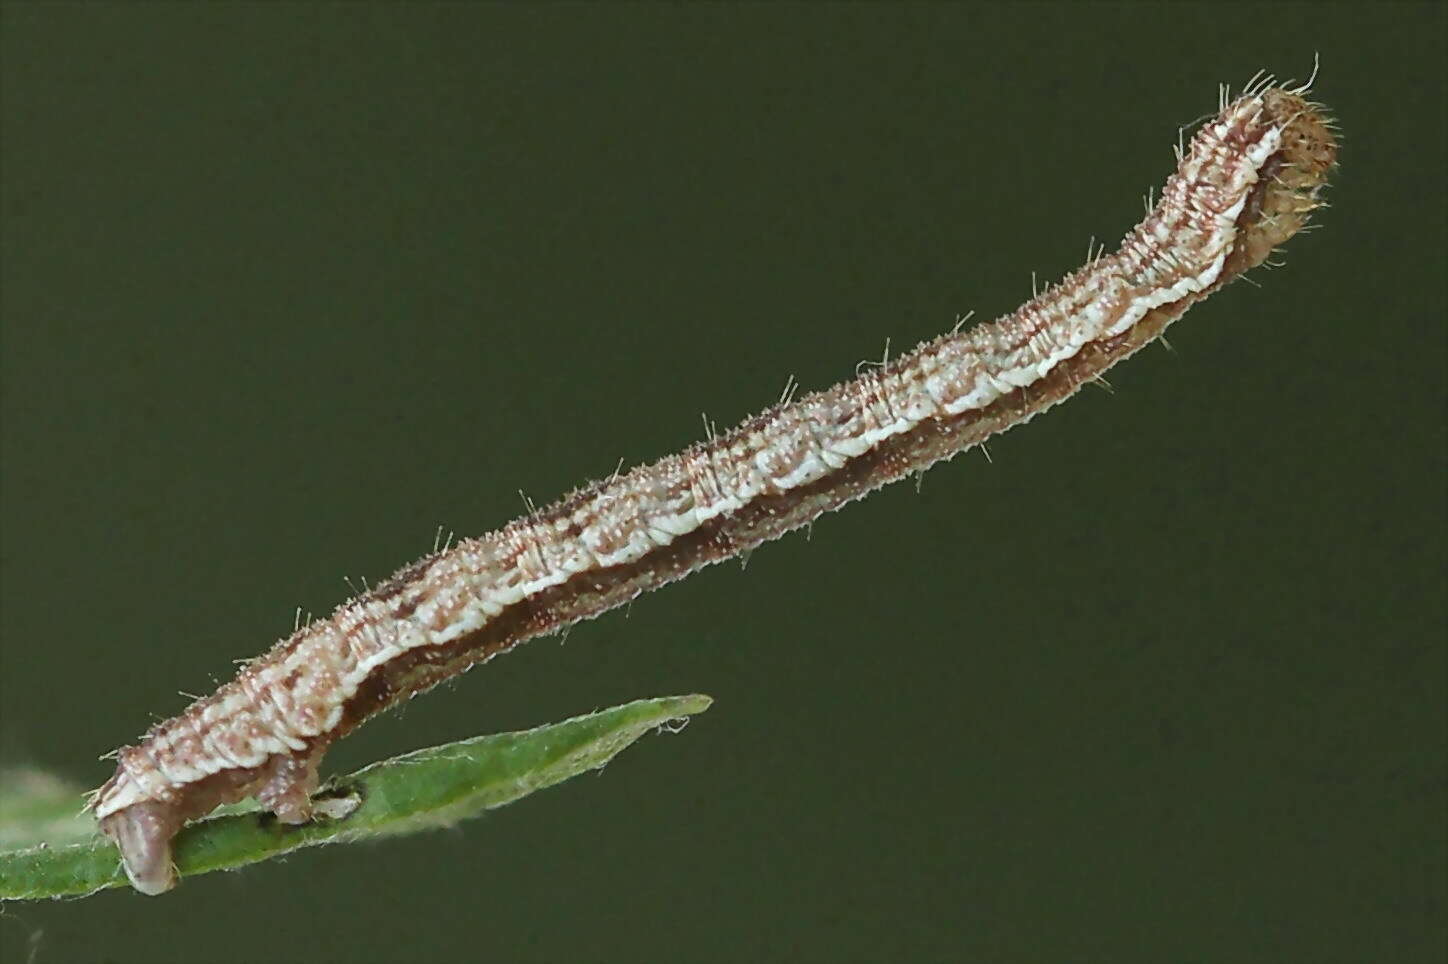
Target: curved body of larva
[1247, 182]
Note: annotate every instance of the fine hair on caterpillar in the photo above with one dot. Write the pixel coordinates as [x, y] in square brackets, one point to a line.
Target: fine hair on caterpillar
[1247, 181]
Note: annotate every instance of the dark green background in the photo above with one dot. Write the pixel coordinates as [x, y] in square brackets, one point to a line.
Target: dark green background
[286, 287]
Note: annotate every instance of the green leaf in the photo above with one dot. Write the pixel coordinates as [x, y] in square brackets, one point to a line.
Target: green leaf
[427, 788]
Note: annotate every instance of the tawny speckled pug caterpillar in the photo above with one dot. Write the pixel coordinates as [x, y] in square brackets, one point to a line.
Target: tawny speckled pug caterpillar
[1248, 181]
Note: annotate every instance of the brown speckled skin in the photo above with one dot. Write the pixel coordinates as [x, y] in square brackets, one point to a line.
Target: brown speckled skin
[331, 676]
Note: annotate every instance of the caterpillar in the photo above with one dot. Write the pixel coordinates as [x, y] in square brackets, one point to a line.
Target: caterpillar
[1249, 180]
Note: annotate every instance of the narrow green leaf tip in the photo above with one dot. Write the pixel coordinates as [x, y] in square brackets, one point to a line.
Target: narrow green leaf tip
[51, 850]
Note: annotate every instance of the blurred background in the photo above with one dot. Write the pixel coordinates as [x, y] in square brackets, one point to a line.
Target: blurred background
[288, 287]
